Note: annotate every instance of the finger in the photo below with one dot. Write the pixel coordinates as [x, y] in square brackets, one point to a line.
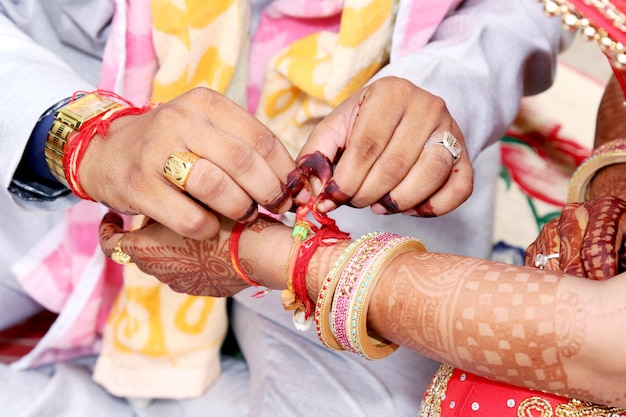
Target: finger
[271, 155]
[383, 149]
[211, 185]
[110, 231]
[433, 187]
[546, 243]
[571, 227]
[602, 238]
[244, 165]
[168, 206]
[328, 140]
[451, 195]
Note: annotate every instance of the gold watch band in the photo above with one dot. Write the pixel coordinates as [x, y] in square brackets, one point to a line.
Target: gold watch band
[68, 121]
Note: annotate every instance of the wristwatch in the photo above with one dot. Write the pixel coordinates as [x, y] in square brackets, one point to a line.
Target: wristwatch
[68, 121]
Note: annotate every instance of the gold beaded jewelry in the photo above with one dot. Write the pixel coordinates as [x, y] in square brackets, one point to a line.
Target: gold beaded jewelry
[574, 20]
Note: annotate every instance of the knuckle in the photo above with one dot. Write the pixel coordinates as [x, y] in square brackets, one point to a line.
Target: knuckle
[397, 167]
[213, 184]
[439, 162]
[265, 144]
[437, 103]
[463, 188]
[201, 94]
[165, 114]
[369, 149]
[241, 159]
[194, 225]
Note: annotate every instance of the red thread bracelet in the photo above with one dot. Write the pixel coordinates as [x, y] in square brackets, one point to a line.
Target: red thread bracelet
[78, 141]
[324, 235]
[233, 248]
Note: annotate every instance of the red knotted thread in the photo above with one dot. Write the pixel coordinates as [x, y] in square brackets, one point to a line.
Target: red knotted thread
[77, 141]
[326, 234]
[233, 248]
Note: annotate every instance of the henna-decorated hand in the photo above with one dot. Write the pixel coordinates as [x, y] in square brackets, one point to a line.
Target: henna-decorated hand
[196, 267]
[589, 237]
[376, 141]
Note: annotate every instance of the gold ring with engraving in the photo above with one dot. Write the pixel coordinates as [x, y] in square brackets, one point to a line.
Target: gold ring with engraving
[178, 166]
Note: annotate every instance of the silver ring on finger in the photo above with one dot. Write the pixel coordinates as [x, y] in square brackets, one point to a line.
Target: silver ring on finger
[541, 260]
[448, 141]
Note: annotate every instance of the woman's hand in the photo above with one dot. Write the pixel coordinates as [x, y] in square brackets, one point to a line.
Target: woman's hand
[203, 267]
[588, 237]
[241, 164]
[196, 267]
[370, 151]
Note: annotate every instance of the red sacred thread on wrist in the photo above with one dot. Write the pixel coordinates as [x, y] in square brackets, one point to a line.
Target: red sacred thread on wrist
[78, 141]
[326, 234]
[233, 248]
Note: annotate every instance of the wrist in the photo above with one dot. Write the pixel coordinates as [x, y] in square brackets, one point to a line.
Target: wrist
[608, 157]
[609, 181]
[320, 265]
[73, 124]
[264, 244]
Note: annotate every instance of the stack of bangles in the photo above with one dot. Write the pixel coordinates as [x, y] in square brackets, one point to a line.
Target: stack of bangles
[343, 301]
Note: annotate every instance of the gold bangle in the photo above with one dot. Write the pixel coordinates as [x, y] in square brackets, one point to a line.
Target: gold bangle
[610, 153]
[368, 346]
[68, 120]
[325, 296]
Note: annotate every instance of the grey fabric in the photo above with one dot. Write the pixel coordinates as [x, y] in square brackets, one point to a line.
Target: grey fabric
[80, 24]
[66, 390]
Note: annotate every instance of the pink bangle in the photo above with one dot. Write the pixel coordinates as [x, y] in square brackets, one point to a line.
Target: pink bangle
[360, 341]
[348, 283]
[325, 296]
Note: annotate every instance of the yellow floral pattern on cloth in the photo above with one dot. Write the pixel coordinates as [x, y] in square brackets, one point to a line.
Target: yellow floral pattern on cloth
[308, 78]
[155, 336]
[198, 43]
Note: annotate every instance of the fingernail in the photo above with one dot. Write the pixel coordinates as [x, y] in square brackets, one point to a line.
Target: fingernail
[303, 197]
[295, 181]
[252, 210]
[316, 185]
[325, 206]
[378, 208]
[284, 200]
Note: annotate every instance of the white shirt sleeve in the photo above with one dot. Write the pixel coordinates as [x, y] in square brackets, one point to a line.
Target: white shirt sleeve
[32, 79]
